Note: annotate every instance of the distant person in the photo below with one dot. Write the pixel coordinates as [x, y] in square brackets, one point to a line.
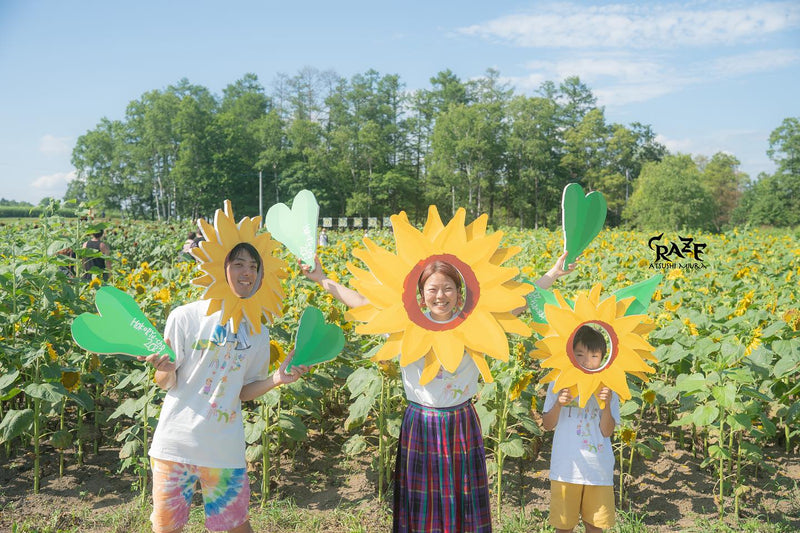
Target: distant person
[582, 461]
[102, 263]
[67, 254]
[323, 237]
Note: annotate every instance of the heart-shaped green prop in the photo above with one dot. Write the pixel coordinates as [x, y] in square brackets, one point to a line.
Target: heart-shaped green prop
[120, 328]
[296, 228]
[642, 292]
[316, 342]
[582, 218]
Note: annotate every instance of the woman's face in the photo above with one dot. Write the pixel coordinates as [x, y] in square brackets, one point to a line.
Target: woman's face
[440, 296]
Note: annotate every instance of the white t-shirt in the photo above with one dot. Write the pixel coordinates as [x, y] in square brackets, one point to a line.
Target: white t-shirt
[201, 419]
[581, 454]
[445, 389]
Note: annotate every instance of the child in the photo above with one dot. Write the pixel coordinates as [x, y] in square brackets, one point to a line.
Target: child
[582, 461]
[200, 436]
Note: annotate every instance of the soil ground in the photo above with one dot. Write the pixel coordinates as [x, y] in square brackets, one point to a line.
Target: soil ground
[670, 492]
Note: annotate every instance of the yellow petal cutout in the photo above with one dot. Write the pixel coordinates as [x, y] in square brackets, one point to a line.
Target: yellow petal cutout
[220, 239]
[628, 350]
[389, 282]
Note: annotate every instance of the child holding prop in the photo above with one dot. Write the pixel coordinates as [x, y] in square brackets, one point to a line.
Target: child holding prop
[582, 461]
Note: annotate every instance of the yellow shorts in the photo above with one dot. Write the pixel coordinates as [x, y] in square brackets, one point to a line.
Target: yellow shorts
[570, 502]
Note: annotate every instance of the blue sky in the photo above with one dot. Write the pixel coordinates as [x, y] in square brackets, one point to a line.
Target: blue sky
[708, 76]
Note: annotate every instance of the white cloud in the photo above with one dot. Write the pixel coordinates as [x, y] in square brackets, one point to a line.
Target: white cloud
[753, 62]
[54, 182]
[52, 145]
[646, 25]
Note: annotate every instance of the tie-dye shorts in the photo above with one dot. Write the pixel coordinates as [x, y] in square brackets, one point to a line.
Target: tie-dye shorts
[226, 495]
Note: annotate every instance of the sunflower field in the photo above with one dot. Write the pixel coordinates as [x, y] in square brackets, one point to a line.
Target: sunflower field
[727, 340]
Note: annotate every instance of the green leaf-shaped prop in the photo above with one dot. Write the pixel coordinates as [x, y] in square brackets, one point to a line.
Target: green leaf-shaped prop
[582, 218]
[316, 342]
[120, 328]
[642, 292]
[296, 228]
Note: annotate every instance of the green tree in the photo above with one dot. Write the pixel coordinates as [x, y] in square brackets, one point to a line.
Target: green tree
[784, 146]
[670, 195]
[725, 184]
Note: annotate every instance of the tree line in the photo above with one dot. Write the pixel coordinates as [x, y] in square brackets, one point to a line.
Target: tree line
[367, 147]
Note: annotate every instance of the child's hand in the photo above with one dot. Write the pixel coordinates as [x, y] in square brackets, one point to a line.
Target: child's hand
[604, 395]
[159, 362]
[564, 397]
[284, 377]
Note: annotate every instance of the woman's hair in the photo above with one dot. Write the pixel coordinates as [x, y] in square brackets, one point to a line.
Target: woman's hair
[243, 248]
[443, 268]
[591, 338]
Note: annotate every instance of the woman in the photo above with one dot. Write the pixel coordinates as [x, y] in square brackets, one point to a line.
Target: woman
[441, 484]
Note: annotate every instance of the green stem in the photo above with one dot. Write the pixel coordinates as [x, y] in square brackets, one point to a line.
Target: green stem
[621, 473]
[721, 471]
[265, 456]
[143, 461]
[738, 477]
[61, 427]
[500, 456]
[37, 407]
[381, 432]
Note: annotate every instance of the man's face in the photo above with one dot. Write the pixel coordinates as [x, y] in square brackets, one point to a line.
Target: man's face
[588, 359]
[242, 273]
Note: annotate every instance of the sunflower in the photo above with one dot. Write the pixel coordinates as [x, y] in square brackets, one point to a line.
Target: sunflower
[220, 239]
[627, 353]
[482, 322]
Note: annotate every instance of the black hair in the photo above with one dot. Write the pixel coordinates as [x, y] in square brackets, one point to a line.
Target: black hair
[592, 339]
[239, 249]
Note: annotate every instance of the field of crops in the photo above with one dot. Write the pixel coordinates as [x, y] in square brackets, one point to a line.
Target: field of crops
[727, 385]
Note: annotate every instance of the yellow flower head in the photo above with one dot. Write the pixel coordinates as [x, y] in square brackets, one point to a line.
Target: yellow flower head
[71, 380]
[220, 239]
[390, 285]
[626, 354]
[276, 353]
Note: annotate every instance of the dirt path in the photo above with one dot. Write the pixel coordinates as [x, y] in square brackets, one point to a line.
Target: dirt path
[671, 490]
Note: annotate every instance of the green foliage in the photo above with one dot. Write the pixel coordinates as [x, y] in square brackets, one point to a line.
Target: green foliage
[670, 195]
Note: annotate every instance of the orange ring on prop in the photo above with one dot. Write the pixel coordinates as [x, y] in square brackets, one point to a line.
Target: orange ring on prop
[471, 285]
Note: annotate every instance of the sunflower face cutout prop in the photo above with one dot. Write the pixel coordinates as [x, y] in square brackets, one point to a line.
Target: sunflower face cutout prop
[627, 351]
[220, 239]
[478, 327]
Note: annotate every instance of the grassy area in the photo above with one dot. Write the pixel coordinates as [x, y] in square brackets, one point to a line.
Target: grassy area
[283, 516]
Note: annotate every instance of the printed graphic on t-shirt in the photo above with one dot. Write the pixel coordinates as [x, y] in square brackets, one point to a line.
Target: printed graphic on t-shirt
[588, 417]
[224, 356]
[451, 384]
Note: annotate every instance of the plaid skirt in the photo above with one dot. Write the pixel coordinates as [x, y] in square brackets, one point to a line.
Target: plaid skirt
[441, 485]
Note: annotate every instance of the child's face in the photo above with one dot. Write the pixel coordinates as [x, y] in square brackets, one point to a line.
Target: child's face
[590, 360]
[242, 274]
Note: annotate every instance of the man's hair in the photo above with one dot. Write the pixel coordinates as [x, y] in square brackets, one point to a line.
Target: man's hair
[244, 248]
[592, 339]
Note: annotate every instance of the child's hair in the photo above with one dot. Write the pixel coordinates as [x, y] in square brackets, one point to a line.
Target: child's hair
[239, 249]
[591, 338]
[191, 236]
[443, 268]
